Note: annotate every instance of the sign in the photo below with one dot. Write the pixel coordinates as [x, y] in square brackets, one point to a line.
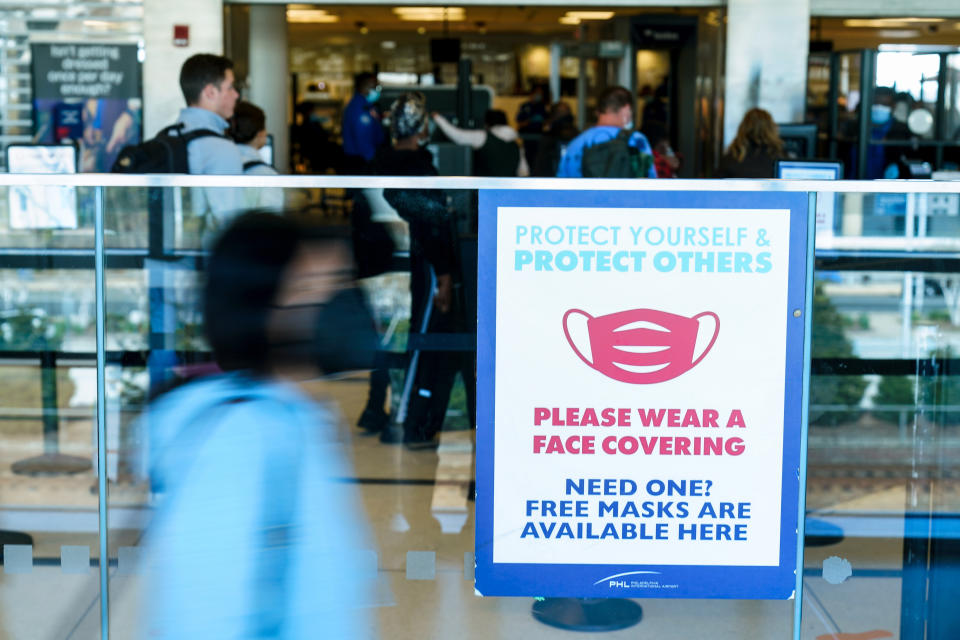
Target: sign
[100, 84]
[181, 35]
[640, 393]
[50, 207]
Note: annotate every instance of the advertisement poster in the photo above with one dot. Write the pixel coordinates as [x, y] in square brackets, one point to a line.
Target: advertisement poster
[640, 393]
[89, 94]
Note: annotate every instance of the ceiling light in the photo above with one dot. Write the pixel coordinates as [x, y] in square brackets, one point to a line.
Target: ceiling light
[431, 14]
[881, 23]
[590, 15]
[569, 20]
[311, 15]
[898, 34]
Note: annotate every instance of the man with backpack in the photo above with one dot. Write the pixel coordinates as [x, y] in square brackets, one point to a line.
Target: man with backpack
[197, 142]
[611, 148]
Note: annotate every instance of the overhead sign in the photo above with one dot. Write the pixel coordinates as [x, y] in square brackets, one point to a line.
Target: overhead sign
[65, 70]
[640, 393]
[88, 94]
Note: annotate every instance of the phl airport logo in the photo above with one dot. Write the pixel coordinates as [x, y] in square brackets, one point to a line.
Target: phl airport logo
[641, 346]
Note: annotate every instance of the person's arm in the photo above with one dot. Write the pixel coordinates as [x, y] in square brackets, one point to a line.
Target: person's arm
[467, 137]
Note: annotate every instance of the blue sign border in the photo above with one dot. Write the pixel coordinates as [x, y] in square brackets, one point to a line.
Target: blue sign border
[578, 580]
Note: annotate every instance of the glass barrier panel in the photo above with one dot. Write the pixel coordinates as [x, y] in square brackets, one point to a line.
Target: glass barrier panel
[49, 580]
[880, 497]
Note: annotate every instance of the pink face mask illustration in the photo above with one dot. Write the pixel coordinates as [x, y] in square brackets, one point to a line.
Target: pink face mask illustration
[642, 346]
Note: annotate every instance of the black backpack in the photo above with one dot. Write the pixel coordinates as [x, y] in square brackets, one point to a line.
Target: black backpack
[166, 153]
[616, 159]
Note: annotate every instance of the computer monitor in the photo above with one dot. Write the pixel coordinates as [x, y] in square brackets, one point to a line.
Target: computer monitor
[809, 170]
[33, 207]
[816, 170]
[799, 139]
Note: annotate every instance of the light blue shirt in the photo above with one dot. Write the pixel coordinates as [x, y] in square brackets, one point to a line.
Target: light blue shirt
[222, 471]
[212, 156]
[249, 154]
[259, 197]
[571, 165]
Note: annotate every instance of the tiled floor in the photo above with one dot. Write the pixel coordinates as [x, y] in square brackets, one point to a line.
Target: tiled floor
[417, 501]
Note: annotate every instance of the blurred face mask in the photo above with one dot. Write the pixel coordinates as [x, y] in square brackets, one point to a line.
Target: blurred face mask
[880, 114]
[373, 95]
[337, 335]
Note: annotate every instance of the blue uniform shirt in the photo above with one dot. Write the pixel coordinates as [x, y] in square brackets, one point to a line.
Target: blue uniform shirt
[362, 132]
[571, 165]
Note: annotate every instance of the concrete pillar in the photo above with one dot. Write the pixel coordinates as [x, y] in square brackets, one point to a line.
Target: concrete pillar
[766, 61]
[269, 77]
[162, 99]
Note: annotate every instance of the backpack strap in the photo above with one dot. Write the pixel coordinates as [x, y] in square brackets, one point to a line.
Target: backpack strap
[177, 131]
[250, 164]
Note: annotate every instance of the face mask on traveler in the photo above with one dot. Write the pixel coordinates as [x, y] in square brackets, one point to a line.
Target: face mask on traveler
[346, 338]
[628, 124]
[880, 114]
[642, 346]
[338, 335]
[373, 96]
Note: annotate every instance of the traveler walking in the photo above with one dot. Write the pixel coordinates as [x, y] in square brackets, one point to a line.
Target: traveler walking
[255, 534]
[496, 147]
[611, 148]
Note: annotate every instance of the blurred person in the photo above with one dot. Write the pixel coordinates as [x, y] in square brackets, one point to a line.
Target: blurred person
[531, 120]
[882, 161]
[254, 532]
[560, 130]
[532, 114]
[248, 128]
[313, 147]
[431, 254]
[614, 123]
[496, 147]
[665, 159]
[361, 129]
[755, 150]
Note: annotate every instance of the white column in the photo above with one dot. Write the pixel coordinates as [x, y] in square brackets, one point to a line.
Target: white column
[766, 62]
[269, 76]
[162, 99]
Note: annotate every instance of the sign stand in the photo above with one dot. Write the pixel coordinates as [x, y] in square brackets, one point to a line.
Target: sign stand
[587, 614]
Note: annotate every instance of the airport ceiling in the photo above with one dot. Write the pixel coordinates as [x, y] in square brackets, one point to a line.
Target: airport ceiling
[461, 20]
[315, 19]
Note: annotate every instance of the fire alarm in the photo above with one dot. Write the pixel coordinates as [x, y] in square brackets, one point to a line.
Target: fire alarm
[181, 35]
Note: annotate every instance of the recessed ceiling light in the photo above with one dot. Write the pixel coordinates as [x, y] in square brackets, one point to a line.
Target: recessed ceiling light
[569, 20]
[431, 14]
[888, 23]
[311, 15]
[591, 15]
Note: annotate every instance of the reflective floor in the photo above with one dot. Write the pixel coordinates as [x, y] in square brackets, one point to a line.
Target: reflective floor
[422, 518]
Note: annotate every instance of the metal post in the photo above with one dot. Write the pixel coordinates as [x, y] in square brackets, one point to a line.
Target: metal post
[465, 113]
[833, 106]
[805, 413]
[556, 52]
[48, 393]
[868, 77]
[940, 121]
[101, 412]
[582, 82]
